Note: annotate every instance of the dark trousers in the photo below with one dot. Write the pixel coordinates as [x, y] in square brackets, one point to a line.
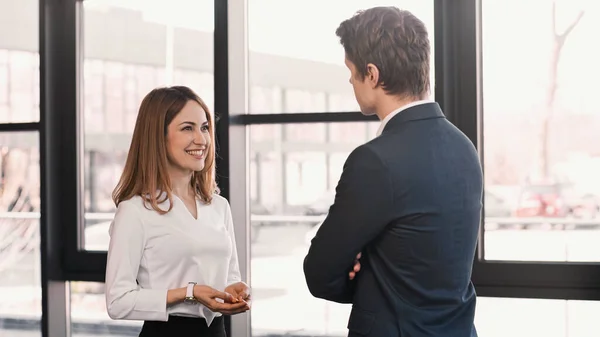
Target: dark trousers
[178, 326]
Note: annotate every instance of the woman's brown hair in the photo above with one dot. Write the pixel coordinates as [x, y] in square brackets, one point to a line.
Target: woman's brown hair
[145, 173]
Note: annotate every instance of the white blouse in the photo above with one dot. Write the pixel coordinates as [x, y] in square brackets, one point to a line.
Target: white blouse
[151, 253]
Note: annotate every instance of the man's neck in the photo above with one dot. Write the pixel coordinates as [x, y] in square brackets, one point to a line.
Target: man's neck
[390, 105]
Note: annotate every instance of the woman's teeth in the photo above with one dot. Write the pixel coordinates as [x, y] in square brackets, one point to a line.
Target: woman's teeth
[198, 153]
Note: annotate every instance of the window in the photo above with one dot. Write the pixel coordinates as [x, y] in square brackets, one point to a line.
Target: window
[540, 163]
[285, 215]
[308, 133]
[89, 316]
[295, 167]
[20, 269]
[20, 256]
[539, 212]
[19, 62]
[266, 100]
[521, 317]
[295, 184]
[172, 48]
[306, 61]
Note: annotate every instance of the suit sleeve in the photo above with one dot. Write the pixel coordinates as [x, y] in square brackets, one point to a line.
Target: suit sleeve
[361, 211]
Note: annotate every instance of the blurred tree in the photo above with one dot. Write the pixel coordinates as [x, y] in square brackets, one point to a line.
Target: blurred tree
[558, 43]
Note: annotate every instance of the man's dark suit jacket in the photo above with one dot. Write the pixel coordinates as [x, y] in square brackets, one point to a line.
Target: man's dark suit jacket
[410, 200]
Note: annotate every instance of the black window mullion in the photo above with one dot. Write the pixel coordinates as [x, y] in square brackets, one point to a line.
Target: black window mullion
[61, 140]
[310, 117]
[458, 77]
[18, 127]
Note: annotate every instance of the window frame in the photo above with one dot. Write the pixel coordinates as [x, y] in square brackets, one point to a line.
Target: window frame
[456, 49]
[459, 41]
[61, 64]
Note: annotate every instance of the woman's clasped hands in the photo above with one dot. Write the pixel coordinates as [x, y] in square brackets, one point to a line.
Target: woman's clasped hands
[235, 298]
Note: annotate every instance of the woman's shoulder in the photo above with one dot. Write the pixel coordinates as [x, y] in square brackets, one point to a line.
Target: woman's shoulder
[143, 202]
[219, 200]
[132, 206]
[128, 216]
[139, 205]
[219, 203]
[134, 201]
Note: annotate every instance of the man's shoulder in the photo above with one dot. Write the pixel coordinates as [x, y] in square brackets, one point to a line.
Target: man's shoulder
[367, 159]
[367, 151]
[379, 149]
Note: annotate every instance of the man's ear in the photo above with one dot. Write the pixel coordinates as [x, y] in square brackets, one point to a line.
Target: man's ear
[372, 76]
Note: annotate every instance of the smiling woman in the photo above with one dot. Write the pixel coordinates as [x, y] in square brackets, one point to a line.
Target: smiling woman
[169, 216]
[188, 138]
[171, 122]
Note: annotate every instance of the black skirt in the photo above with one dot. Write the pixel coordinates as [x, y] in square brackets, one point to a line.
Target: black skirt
[184, 327]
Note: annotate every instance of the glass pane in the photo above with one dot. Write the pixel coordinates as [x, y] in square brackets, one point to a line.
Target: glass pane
[19, 62]
[500, 317]
[20, 258]
[299, 67]
[292, 181]
[527, 317]
[541, 123]
[172, 47]
[89, 316]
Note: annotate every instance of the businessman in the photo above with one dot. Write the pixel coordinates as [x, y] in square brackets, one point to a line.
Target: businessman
[408, 201]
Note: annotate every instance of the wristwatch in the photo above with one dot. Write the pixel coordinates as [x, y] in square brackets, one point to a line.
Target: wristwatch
[189, 294]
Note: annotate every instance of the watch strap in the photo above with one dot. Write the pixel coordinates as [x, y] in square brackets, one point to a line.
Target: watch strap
[189, 294]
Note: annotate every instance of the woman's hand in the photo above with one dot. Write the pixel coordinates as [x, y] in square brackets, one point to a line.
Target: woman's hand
[240, 292]
[208, 297]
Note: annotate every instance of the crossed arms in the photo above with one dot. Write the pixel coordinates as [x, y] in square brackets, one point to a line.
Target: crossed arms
[361, 211]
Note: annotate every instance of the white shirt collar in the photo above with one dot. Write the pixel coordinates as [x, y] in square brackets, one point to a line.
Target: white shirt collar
[397, 111]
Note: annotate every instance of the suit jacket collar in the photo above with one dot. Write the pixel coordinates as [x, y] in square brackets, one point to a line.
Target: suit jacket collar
[415, 113]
